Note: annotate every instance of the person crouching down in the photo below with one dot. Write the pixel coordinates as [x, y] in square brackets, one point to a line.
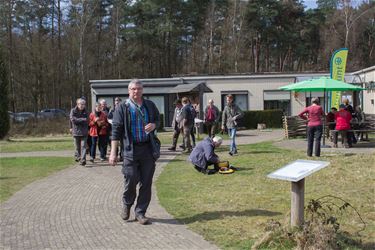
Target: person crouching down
[203, 155]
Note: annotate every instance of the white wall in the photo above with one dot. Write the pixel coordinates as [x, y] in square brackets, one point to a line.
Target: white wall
[255, 88]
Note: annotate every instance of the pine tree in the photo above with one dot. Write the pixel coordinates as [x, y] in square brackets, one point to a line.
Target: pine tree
[4, 116]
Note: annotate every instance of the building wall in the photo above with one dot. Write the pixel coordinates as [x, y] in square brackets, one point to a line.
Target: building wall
[368, 95]
[255, 89]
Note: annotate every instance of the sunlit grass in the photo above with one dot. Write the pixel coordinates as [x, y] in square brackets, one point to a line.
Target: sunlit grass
[15, 173]
[232, 210]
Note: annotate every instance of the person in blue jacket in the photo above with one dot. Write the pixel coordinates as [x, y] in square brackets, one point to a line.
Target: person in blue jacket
[203, 155]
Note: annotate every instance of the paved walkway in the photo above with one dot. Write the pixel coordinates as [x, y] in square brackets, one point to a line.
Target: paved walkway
[79, 208]
[364, 147]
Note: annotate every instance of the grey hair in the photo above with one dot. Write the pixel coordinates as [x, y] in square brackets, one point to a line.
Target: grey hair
[135, 82]
[217, 139]
[102, 100]
[79, 100]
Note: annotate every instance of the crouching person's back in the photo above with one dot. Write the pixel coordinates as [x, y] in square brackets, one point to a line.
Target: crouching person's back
[203, 155]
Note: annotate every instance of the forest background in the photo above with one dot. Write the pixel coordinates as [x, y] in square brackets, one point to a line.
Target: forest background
[52, 48]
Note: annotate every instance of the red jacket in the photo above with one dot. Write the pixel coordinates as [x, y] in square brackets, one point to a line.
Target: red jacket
[343, 118]
[100, 126]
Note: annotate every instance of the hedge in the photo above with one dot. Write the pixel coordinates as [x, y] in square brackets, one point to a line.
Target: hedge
[272, 118]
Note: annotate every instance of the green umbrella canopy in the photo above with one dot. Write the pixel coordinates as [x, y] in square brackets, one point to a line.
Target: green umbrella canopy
[321, 84]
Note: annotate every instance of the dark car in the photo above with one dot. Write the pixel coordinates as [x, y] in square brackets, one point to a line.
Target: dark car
[23, 116]
[51, 113]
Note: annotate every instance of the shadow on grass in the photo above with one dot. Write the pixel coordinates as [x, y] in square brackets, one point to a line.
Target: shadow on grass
[6, 177]
[206, 216]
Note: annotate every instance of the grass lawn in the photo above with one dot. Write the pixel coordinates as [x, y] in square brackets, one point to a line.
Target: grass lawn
[15, 173]
[37, 144]
[232, 210]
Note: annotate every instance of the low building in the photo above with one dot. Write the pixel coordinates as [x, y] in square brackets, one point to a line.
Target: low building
[251, 92]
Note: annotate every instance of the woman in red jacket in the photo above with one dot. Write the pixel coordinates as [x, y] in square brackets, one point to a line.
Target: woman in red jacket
[98, 132]
[314, 126]
[342, 118]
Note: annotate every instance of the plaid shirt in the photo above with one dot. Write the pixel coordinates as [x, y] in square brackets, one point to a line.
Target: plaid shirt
[138, 120]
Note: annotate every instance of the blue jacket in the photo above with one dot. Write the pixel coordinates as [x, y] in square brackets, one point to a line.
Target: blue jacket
[121, 125]
[203, 154]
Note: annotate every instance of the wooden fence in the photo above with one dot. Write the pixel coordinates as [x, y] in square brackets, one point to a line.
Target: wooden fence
[295, 126]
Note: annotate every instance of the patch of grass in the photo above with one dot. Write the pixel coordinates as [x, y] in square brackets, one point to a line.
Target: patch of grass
[36, 144]
[15, 173]
[232, 210]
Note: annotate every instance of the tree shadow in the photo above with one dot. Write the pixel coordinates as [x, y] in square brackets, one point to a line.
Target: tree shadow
[214, 215]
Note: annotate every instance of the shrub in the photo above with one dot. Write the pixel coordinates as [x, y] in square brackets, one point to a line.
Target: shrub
[272, 118]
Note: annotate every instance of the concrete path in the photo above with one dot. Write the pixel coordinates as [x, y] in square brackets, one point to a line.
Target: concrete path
[79, 208]
[365, 147]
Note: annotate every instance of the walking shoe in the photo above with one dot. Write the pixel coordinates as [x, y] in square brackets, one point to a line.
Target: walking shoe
[77, 159]
[82, 163]
[92, 160]
[125, 214]
[172, 149]
[182, 146]
[102, 159]
[230, 153]
[142, 219]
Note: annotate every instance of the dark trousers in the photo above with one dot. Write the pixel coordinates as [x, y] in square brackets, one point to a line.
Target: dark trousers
[344, 137]
[140, 170]
[101, 140]
[206, 170]
[211, 128]
[176, 134]
[314, 133]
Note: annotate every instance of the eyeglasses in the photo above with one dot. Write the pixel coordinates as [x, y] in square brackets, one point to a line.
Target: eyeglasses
[136, 89]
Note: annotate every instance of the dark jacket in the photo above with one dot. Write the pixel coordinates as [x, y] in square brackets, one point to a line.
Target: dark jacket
[216, 113]
[79, 121]
[203, 154]
[121, 124]
[231, 115]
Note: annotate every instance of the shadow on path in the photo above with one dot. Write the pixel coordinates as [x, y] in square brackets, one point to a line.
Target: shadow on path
[220, 214]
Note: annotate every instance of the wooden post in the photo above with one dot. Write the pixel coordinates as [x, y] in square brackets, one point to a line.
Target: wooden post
[297, 203]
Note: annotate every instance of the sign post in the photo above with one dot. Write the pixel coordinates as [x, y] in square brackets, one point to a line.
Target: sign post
[296, 172]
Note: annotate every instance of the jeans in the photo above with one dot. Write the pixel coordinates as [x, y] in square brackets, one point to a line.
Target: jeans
[80, 147]
[102, 141]
[232, 134]
[314, 132]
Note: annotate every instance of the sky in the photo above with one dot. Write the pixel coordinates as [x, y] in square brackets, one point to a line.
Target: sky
[311, 4]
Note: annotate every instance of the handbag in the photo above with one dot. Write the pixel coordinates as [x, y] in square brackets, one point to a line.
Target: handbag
[155, 144]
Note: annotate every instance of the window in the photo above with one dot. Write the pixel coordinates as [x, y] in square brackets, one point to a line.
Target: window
[284, 105]
[276, 99]
[159, 102]
[240, 98]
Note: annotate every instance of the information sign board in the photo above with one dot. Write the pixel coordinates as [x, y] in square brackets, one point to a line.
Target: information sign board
[298, 170]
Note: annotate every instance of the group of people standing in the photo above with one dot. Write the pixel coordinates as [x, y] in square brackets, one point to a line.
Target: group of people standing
[91, 130]
[338, 121]
[184, 116]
